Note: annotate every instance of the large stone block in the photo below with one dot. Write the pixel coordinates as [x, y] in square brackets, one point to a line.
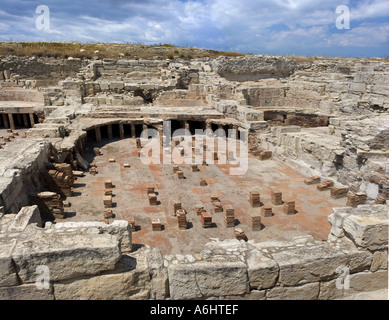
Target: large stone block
[119, 228]
[318, 262]
[308, 291]
[208, 278]
[262, 271]
[8, 276]
[221, 277]
[129, 281]
[66, 254]
[369, 281]
[26, 216]
[380, 260]
[26, 292]
[182, 282]
[367, 231]
[159, 275]
[253, 68]
[330, 290]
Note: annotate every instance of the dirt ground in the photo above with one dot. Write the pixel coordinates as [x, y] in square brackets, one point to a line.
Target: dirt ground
[130, 199]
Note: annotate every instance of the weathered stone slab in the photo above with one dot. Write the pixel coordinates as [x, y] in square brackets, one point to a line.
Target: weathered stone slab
[208, 278]
[221, 277]
[159, 275]
[8, 275]
[369, 281]
[308, 291]
[66, 254]
[129, 281]
[26, 216]
[182, 282]
[262, 271]
[370, 232]
[26, 292]
[380, 260]
[318, 263]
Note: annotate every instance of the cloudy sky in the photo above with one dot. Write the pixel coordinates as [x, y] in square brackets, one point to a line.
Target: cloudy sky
[279, 27]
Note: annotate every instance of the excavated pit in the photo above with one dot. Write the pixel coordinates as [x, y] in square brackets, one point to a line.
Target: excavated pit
[73, 177]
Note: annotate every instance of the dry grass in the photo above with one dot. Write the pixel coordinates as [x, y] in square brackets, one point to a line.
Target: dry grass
[106, 50]
[129, 50]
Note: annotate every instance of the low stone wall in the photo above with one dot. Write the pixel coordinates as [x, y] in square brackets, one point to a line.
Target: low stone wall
[39, 68]
[20, 166]
[94, 260]
[352, 153]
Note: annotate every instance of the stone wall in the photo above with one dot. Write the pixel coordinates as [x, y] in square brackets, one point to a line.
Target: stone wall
[339, 131]
[21, 165]
[94, 260]
[38, 68]
[352, 152]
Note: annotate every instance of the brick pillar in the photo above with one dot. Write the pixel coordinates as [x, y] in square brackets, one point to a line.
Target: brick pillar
[109, 129]
[121, 130]
[98, 134]
[11, 121]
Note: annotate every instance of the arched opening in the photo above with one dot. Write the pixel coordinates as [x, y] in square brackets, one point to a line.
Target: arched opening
[104, 132]
[91, 135]
[127, 130]
[175, 125]
[138, 130]
[115, 130]
[193, 125]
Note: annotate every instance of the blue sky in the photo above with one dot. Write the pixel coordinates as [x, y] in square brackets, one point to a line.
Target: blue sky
[279, 27]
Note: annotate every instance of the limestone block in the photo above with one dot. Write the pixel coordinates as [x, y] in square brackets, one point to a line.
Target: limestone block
[8, 275]
[318, 262]
[220, 278]
[380, 260]
[66, 254]
[116, 85]
[129, 281]
[208, 278]
[118, 228]
[182, 282]
[330, 290]
[26, 292]
[358, 87]
[7, 74]
[262, 271]
[368, 281]
[252, 68]
[159, 275]
[369, 232]
[308, 291]
[26, 216]
[328, 169]
[336, 220]
[131, 86]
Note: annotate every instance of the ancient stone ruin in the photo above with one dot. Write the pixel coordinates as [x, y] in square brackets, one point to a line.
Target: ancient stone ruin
[85, 216]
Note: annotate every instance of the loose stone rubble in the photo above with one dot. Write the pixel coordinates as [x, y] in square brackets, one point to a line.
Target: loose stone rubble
[327, 119]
